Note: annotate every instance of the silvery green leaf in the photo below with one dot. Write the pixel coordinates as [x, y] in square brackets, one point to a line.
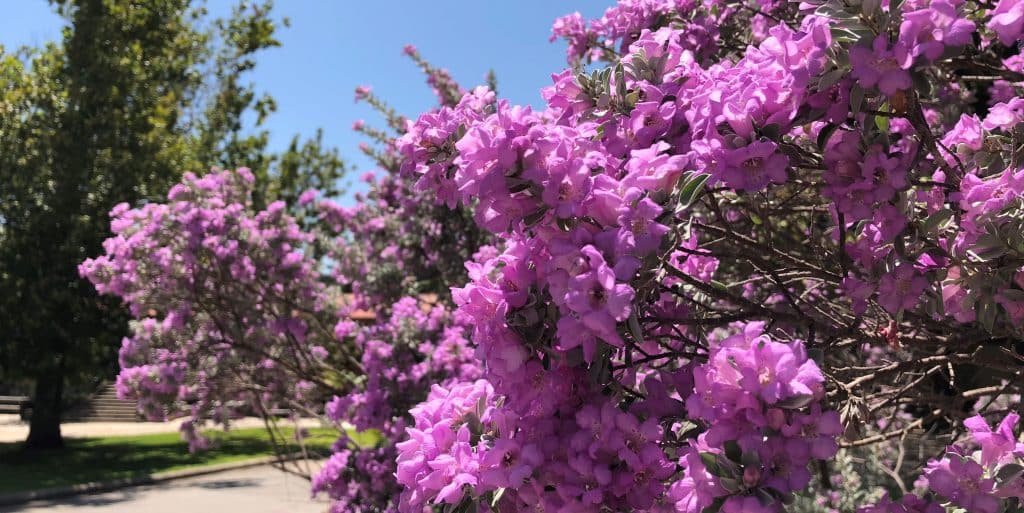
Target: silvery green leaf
[832, 77]
[497, 496]
[986, 311]
[1009, 472]
[634, 328]
[856, 99]
[936, 220]
[692, 189]
[729, 484]
[795, 402]
[764, 498]
[1013, 294]
[882, 123]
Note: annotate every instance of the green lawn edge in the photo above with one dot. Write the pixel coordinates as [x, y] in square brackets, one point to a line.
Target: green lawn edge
[87, 460]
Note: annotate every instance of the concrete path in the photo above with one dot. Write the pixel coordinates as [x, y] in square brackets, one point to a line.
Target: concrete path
[262, 489]
[13, 430]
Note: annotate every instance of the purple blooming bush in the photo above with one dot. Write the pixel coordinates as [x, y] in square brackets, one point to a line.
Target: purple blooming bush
[239, 311]
[229, 308]
[739, 239]
[747, 257]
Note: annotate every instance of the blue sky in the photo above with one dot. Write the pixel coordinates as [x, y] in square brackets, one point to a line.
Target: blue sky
[333, 46]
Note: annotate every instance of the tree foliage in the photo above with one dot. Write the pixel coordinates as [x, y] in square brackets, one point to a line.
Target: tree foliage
[115, 112]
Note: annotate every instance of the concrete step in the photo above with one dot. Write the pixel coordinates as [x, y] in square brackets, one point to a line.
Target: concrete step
[105, 409]
[107, 403]
[89, 411]
[113, 402]
[105, 418]
[104, 406]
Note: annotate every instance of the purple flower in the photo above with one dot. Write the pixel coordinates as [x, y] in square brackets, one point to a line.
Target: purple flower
[754, 166]
[995, 445]
[928, 32]
[1005, 115]
[859, 292]
[882, 66]
[642, 234]
[508, 464]
[901, 289]
[835, 100]
[650, 120]
[1007, 21]
[596, 297]
[961, 480]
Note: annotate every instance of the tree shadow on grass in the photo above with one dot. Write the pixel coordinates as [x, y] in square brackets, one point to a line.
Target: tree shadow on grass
[98, 460]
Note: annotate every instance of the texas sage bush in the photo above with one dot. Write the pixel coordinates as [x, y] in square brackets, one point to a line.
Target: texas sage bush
[748, 257]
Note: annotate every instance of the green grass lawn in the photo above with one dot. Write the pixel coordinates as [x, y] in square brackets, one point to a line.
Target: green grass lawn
[85, 460]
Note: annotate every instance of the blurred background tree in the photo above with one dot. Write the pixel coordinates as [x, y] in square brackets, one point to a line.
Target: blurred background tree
[137, 92]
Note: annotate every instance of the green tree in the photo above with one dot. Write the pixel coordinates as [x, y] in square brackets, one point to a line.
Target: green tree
[115, 113]
[223, 138]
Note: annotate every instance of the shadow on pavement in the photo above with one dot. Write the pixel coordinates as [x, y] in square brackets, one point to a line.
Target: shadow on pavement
[88, 500]
[228, 483]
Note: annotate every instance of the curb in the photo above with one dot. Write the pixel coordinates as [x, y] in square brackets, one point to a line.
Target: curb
[116, 484]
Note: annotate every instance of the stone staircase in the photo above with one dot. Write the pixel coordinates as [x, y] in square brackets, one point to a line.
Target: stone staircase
[104, 406]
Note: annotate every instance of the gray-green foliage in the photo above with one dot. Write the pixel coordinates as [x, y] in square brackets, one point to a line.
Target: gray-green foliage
[855, 478]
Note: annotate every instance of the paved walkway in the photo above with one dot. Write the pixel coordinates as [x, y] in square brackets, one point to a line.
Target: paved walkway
[13, 430]
[262, 489]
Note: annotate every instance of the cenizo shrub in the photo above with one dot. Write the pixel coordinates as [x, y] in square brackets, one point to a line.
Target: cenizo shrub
[736, 240]
[737, 236]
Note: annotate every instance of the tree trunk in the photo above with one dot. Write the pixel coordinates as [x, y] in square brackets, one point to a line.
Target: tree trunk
[44, 430]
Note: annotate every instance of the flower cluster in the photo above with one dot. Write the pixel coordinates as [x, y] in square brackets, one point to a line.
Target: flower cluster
[438, 458]
[621, 25]
[984, 476]
[760, 400]
[397, 240]
[929, 31]
[757, 399]
[981, 482]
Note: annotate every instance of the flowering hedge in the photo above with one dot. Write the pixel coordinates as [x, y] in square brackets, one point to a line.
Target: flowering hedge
[742, 247]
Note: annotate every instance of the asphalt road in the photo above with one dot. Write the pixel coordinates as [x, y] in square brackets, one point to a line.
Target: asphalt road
[262, 489]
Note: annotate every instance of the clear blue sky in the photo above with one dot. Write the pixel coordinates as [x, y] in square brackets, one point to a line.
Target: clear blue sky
[333, 46]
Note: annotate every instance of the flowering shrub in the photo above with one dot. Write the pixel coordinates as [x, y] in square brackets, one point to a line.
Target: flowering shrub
[234, 308]
[737, 238]
[229, 307]
[736, 189]
[395, 243]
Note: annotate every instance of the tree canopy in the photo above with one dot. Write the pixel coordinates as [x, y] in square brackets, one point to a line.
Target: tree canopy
[136, 93]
